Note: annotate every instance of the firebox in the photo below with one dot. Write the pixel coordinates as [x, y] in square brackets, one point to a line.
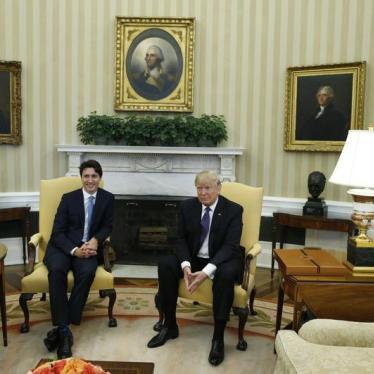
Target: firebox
[145, 228]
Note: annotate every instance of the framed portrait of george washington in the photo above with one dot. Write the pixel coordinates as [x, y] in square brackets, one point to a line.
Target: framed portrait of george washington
[154, 64]
[323, 103]
[10, 102]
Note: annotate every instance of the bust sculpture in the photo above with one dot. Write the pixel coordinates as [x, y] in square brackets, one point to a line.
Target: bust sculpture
[315, 205]
[316, 183]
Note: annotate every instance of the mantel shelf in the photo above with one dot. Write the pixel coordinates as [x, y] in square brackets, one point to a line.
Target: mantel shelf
[168, 171]
[150, 150]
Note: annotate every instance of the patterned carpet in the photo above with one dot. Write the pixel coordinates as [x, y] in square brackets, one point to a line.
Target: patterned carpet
[139, 301]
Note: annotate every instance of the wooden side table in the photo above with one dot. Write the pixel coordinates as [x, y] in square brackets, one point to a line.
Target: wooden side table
[345, 297]
[282, 221]
[3, 252]
[21, 214]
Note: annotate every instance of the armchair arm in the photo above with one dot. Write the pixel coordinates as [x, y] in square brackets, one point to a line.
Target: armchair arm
[31, 252]
[338, 333]
[109, 255]
[296, 355]
[250, 264]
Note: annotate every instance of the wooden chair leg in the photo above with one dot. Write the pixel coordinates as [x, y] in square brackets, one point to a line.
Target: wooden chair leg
[242, 313]
[158, 325]
[252, 300]
[44, 297]
[111, 293]
[23, 299]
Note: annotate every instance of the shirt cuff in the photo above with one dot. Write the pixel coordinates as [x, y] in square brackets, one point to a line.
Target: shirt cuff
[73, 251]
[210, 270]
[184, 264]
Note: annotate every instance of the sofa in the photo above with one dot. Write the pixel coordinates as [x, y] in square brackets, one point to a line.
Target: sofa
[326, 346]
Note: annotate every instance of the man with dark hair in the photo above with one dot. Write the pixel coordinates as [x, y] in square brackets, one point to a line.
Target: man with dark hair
[82, 223]
[208, 245]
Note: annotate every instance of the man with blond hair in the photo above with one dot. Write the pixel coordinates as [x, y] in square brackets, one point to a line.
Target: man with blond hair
[208, 245]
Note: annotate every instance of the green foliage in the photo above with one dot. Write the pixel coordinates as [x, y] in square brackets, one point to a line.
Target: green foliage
[146, 130]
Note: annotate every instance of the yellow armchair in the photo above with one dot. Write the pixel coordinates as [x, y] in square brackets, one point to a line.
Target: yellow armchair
[36, 280]
[250, 198]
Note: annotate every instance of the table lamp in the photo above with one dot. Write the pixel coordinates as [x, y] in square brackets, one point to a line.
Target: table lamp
[355, 168]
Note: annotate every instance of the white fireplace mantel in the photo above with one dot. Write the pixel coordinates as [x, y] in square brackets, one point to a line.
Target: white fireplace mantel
[153, 170]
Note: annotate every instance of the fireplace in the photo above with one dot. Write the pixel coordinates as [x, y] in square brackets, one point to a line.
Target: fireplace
[149, 183]
[145, 228]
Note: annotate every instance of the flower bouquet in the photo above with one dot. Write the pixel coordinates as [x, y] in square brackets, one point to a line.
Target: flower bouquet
[68, 366]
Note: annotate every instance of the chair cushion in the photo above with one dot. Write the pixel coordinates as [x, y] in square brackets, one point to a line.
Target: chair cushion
[37, 281]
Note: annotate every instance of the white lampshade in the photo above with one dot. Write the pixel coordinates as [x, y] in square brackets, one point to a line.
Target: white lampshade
[355, 167]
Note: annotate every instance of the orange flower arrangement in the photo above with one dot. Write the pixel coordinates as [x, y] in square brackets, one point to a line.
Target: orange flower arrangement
[68, 366]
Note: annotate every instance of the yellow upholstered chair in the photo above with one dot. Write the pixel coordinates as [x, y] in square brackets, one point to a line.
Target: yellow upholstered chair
[36, 280]
[250, 198]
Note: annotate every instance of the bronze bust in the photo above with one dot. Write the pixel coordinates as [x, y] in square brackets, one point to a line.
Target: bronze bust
[316, 183]
[315, 205]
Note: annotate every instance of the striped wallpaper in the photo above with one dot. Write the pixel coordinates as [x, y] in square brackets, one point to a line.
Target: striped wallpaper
[242, 51]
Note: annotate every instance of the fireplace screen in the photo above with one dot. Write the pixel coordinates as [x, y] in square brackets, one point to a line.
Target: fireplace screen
[145, 228]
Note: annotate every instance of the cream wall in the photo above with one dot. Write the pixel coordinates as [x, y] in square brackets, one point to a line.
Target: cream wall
[242, 51]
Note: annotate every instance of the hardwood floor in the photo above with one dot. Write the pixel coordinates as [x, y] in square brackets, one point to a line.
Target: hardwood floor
[266, 288]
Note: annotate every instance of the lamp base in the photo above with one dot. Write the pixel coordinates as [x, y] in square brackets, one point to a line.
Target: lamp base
[360, 271]
[360, 256]
[315, 207]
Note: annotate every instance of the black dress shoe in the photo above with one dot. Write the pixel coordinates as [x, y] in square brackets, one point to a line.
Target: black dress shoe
[52, 339]
[158, 326]
[217, 352]
[163, 336]
[64, 347]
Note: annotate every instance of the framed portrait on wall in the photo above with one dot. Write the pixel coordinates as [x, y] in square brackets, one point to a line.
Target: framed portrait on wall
[322, 104]
[154, 64]
[10, 102]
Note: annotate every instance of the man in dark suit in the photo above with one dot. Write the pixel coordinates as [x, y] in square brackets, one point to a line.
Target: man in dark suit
[83, 221]
[208, 245]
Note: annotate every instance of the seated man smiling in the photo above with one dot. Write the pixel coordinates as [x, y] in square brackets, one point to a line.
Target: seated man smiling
[82, 223]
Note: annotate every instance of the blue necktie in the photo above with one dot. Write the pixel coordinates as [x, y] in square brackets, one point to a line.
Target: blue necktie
[90, 206]
[205, 222]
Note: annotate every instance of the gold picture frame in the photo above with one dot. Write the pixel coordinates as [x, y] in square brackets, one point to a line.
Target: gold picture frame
[323, 103]
[10, 102]
[163, 82]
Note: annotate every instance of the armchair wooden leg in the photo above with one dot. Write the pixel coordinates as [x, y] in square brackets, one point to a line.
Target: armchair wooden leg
[158, 325]
[23, 299]
[111, 293]
[242, 313]
[252, 300]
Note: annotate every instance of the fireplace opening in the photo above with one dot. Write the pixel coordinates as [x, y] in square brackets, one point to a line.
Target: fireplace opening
[145, 228]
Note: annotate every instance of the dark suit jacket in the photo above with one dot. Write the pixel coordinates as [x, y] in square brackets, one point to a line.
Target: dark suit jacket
[331, 125]
[68, 225]
[225, 231]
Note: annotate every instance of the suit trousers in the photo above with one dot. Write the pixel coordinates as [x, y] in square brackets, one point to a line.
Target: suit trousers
[64, 310]
[170, 273]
